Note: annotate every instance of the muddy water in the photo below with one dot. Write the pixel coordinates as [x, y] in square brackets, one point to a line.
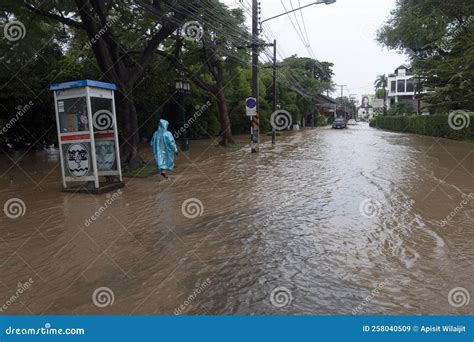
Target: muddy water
[345, 221]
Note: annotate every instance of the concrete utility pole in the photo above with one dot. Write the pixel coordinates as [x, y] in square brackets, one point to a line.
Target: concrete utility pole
[342, 100]
[255, 120]
[342, 90]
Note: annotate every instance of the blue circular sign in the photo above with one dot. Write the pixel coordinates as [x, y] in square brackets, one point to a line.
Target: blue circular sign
[251, 102]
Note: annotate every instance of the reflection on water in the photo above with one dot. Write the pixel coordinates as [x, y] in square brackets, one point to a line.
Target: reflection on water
[328, 215]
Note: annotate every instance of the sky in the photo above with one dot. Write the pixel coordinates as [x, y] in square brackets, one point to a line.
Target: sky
[342, 33]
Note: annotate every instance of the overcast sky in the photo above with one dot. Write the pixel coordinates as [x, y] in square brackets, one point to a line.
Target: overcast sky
[342, 33]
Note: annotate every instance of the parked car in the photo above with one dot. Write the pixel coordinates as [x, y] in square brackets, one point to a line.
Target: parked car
[352, 122]
[339, 123]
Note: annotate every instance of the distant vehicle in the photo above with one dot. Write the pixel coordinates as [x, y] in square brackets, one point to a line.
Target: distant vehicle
[352, 122]
[339, 123]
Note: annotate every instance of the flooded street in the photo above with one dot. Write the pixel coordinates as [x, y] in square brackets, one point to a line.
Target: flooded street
[332, 217]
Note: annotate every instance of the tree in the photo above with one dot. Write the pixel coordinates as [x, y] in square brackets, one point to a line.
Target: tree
[218, 50]
[300, 79]
[346, 106]
[438, 37]
[381, 83]
[109, 27]
[30, 52]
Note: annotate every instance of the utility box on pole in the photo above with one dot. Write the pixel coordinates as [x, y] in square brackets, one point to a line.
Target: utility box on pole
[87, 135]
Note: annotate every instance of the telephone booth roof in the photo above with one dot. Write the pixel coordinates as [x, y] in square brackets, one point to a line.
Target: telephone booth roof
[81, 84]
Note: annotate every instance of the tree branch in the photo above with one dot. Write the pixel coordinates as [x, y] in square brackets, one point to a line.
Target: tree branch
[168, 26]
[66, 21]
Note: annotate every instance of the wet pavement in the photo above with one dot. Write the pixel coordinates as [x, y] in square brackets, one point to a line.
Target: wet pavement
[326, 222]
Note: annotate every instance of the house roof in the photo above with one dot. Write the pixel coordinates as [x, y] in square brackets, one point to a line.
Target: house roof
[323, 99]
[403, 66]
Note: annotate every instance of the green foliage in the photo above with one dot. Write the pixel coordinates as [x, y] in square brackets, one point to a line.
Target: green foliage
[379, 94]
[381, 82]
[347, 104]
[53, 52]
[399, 108]
[26, 71]
[431, 125]
[438, 36]
[299, 79]
[321, 121]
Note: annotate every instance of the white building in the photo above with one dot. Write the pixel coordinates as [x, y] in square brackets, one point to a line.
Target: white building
[402, 88]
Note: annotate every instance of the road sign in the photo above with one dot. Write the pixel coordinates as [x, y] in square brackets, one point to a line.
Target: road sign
[251, 106]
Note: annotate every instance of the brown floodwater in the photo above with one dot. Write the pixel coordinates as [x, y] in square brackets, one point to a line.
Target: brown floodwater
[346, 221]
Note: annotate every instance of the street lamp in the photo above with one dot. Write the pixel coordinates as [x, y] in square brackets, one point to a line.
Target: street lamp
[183, 87]
[326, 2]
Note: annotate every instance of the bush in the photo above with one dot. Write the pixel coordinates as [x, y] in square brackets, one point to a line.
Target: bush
[321, 121]
[399, 108]
[431, 125]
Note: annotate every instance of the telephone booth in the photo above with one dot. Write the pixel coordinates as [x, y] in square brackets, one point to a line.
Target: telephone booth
[87, 135]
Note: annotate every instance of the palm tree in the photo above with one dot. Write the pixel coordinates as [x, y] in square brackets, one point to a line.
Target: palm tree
[381, 83]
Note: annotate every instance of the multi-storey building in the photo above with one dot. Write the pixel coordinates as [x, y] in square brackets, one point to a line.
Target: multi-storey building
[402, 88]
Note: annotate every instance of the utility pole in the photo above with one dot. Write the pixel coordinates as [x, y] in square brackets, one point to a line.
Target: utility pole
[274, 87]
[352, 98]
[342, 100]
[255, 120]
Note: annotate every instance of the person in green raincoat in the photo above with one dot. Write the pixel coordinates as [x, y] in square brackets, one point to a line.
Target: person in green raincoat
[164, 148]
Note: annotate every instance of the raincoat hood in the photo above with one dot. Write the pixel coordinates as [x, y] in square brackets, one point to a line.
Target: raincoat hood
[163, 125]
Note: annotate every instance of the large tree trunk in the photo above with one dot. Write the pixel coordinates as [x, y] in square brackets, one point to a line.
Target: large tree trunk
[226, 132]
[131, 137]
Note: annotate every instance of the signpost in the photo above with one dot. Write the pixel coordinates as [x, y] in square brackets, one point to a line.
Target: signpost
[87, 135]
[251, 111]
